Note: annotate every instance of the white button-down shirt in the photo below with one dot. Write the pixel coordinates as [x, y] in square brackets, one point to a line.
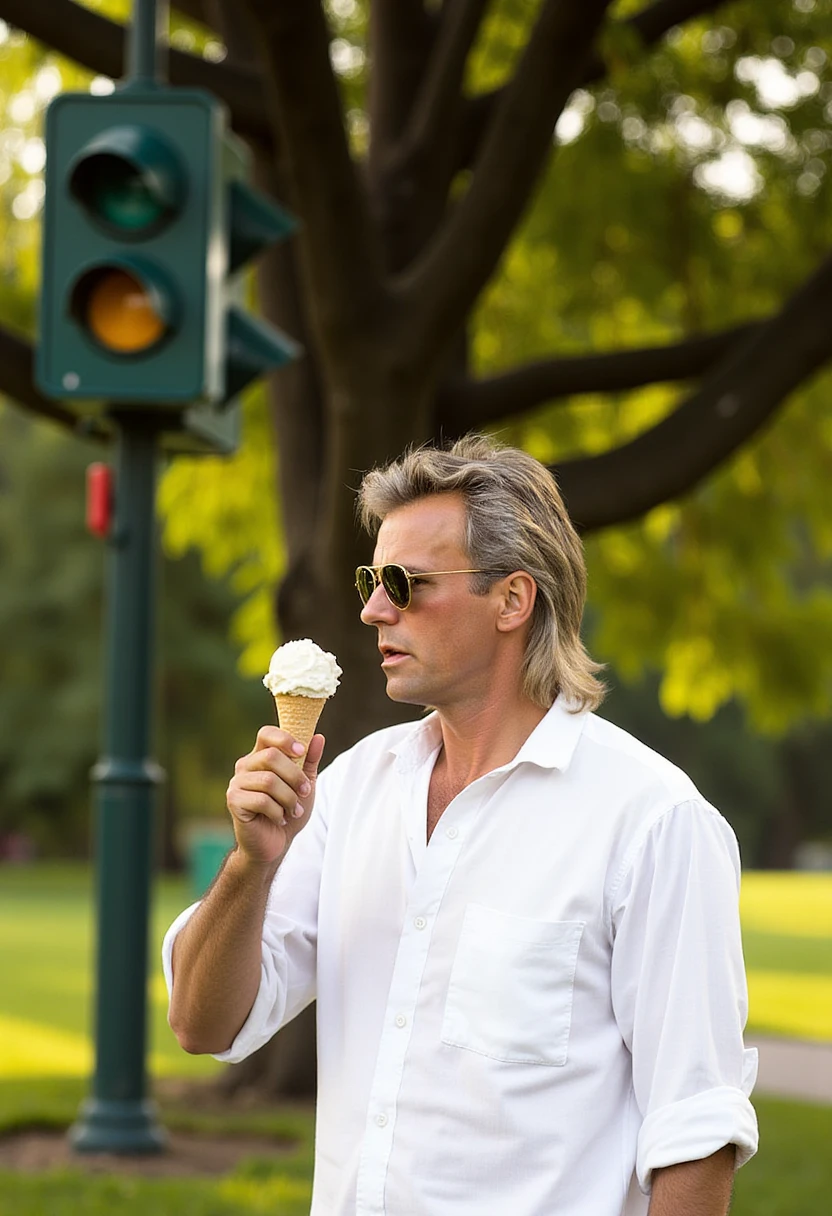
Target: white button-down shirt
[534, 1010]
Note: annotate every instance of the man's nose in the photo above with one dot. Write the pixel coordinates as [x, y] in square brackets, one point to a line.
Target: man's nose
[379, 608]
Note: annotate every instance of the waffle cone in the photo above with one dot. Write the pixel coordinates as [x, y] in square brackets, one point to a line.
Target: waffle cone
[299, 716]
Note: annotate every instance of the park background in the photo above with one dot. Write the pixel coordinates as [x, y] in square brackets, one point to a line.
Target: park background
[694, 207]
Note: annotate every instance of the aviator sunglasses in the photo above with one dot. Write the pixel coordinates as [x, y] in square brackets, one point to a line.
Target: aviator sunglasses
[396, 581]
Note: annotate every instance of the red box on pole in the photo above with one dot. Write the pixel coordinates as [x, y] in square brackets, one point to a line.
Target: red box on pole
[99, 499]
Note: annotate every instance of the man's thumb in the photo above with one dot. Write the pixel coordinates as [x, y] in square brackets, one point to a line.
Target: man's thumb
[313, 756]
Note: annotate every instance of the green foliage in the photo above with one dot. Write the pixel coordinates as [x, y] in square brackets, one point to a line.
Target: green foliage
[50, 611]
[761, 784]
[50, 652]
[226, 509]
[689, 191]
[630, 243]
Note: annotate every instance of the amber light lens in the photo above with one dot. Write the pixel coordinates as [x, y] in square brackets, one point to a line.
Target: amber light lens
[120, 314]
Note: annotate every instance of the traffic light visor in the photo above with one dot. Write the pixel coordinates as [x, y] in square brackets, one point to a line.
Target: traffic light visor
[129, 180]
[123, 308]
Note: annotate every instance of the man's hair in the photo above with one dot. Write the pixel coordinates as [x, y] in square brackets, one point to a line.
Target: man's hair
[516, 520]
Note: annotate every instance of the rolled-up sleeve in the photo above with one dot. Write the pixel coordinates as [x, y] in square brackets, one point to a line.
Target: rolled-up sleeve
[679, 990]
[288, 962]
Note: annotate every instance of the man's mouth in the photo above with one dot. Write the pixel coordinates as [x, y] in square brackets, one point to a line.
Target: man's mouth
[389, 655]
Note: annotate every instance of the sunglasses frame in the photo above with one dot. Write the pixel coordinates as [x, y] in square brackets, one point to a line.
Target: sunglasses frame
[378, 580]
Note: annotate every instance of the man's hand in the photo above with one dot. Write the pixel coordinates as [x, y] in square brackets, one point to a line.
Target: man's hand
[216, 957]
[694, 1188]
[270, 797]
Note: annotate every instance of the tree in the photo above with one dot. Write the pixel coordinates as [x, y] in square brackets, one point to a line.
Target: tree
[425, 172]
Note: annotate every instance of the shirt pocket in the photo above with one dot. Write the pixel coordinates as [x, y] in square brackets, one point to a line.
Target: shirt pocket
[510, 991]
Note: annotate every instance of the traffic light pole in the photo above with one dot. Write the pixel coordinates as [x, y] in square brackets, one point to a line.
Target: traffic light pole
[119, 1117]
[147, 47]
[149, 221]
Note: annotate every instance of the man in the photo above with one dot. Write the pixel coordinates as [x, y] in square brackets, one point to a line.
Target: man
[519, 923]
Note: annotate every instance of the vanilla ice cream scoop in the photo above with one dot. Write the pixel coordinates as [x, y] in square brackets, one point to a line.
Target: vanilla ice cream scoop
[302, 669]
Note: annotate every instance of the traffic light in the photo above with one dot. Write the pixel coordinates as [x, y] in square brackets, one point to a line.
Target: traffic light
[148, 219]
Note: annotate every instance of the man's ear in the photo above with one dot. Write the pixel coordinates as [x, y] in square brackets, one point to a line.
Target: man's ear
[519, 592]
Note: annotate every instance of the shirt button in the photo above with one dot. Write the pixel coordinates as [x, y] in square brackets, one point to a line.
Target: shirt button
[420, 922]
[381, 1120]
[401, 1020]
[452, 833]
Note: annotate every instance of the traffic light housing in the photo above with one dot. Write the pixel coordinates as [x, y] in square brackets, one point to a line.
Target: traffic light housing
[148, 222]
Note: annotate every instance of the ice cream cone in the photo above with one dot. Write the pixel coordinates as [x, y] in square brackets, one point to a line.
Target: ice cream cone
[299, 716]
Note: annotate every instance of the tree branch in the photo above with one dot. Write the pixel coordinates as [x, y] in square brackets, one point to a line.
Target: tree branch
[734, 402]
[465, 405]
[98, 44]
[438, 101]
[400, 34]
[296, 394]
[340, 257]
[443, 283]
[651, 24]
[17, 360]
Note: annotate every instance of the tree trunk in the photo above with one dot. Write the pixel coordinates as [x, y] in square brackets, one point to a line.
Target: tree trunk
[788, 827]
[286, 1067]
[168, 851]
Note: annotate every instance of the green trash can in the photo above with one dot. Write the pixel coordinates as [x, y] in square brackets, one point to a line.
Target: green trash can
[206, 850]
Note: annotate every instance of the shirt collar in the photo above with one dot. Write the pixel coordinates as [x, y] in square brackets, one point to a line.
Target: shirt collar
[551, 744]
[553, 741]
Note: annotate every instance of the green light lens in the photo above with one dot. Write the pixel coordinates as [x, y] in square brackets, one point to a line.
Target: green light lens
[116, 192]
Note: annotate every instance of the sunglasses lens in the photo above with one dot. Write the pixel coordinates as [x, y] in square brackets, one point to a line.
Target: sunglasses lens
[365, 581]
[395, 583]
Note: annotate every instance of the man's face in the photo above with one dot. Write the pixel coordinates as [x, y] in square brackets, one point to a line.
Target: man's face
[440, 651]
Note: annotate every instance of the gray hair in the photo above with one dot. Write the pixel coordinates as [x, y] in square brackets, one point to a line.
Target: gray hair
[516, 520]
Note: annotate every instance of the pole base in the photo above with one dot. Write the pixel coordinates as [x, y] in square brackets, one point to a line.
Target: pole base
[107, 1126]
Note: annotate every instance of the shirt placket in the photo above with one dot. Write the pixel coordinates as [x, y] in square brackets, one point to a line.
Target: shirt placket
[426, 896]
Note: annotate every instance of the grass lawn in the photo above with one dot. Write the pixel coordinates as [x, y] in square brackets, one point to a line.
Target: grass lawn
[46, 935]
[792, 1175]
[46, 945]
[787, 936]
[277, 1185]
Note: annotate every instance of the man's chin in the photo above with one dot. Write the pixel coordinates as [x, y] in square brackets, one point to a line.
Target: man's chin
[402, 697]
[399, 691]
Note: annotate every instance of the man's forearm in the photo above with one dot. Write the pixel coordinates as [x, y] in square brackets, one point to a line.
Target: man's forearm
[216, 958]
[694, 1188]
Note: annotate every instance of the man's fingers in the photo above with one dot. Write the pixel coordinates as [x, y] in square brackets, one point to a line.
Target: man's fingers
[248, 804]
[269, 783]
[273, 736]
[284, 791]
[313, 755]
[271, 760]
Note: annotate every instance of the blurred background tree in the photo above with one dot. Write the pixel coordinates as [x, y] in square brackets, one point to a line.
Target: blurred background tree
[50, 658]
[602, 230]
